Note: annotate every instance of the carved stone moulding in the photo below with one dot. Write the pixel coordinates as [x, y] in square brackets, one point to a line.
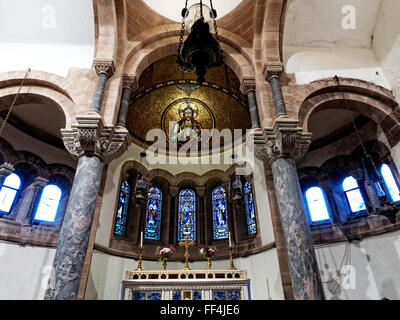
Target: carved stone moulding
[284, 139]
[89, 136]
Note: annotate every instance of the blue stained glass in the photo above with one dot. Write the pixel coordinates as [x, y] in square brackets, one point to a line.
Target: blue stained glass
[120, 221]
[154, 296]
[152, 229]
[48, 204]
[8, 192]
[196, 295]
[390, 182]
[353, 194]
[249, 206]
[234, 295]
[316, 204]
[187, 215]
[220, 215]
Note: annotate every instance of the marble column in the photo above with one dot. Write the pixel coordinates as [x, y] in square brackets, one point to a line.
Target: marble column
[129, 85]
[94, 144]
[31, 198]
[272, 73]
[104, 70]
[279, 147]
[249, 88]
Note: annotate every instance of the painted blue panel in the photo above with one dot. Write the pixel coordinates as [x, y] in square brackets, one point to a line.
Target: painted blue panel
[154, 296]
[138, 295]
[176, 295]
[234, 295]
[196, 295]
[219, 295]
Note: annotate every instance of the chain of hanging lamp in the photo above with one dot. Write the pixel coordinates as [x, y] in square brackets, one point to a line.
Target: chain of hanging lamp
[388, 208]
[27, 73]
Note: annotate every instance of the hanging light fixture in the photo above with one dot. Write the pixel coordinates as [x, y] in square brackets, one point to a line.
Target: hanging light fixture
[201, 50]
[236, 186]
[141, 185]
[387, 208]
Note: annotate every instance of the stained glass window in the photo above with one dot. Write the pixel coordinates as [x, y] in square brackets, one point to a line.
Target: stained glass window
[220, 215]
[8, 192]
[353, 194]
[122, 210]
[316, 204]
[187, 215]
[390, 182]
[249, 207]
[48, 204]
[153, 215]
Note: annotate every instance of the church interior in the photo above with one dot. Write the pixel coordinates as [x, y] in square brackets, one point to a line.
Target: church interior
[146, 156]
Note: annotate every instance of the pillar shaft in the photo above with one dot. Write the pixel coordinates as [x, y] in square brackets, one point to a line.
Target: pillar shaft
[123, 109]
[303, 267]
[254, 117]
[74, 236]
[280, 107]
[99, 93]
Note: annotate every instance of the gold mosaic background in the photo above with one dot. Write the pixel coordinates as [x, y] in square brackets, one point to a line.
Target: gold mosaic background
[147, 112]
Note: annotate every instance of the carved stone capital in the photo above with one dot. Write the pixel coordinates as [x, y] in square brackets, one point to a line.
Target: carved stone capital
[104, 66]
[5, 169]
[273, 70]
[247, 85]
[89, 136]
[39, 182]
[129, 82]
[285, 139]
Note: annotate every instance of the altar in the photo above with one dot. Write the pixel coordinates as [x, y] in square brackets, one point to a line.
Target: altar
[185, 285]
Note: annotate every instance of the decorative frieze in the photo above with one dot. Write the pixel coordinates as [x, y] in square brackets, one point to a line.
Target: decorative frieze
[285, 139]
[89, 136]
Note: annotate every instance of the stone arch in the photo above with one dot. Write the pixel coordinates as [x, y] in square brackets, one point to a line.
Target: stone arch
[366, 98]
[41, 87]
[160, 42]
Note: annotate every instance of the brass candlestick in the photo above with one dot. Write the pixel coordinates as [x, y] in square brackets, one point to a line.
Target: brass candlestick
[231, 267]
[139, 267]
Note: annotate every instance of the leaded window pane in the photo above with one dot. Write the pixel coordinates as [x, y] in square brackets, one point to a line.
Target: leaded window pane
[122, 210]
[153, 215]
[249, 207]
[187, 215]
[316, 204]
[390, 182]
[220, 215]
[8, 192]
[48, 204]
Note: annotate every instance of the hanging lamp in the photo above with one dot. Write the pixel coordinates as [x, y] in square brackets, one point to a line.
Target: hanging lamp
[201, 50]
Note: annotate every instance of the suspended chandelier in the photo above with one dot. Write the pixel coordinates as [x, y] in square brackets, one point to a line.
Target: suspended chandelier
[201, 50]
[387, 208]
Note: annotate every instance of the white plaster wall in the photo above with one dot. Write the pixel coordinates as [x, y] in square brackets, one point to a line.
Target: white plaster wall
[310, 64]
[23, 142]
[108, 206]
[107, 272]
[24, 272]
[375, 268]
[386, 42]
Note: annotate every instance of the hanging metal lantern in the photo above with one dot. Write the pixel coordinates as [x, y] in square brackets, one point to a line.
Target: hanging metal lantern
[141, 185]
[237, 190]
[201, 50]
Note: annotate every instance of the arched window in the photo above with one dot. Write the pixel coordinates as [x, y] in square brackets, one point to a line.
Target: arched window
[390, 182]
[220, 214]
[153, 215]
[353, 195]
[8, 192]
[187, 215]
[48, 204]
[316, 204]
[122, 210]
[249, 206]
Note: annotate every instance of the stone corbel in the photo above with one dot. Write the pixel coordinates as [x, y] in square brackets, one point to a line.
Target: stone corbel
[90, 137]
[284, 139]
